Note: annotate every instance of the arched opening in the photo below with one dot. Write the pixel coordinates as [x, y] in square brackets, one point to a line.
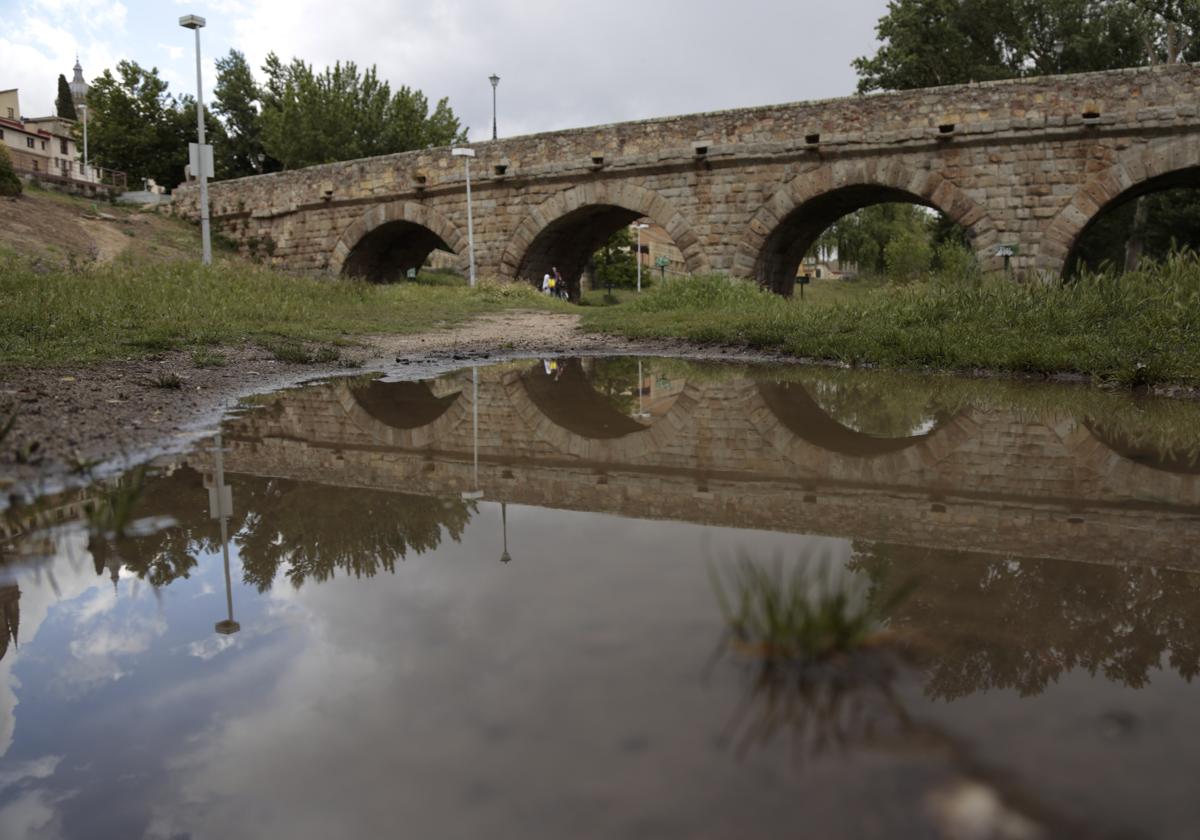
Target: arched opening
[388, 252]
[601, 399]
[1146, 221]
[1158, 452]
[402, 405]
[857, 231]
[568, 229]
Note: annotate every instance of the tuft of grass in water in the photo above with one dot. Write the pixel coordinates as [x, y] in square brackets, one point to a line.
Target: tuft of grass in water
[1134, 330]
[805, 615]
[167, 381]
[59, 316]
[206, 358]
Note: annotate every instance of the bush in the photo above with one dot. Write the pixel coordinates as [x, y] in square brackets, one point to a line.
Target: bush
[907, 257]
[10, 184]
[955, 260]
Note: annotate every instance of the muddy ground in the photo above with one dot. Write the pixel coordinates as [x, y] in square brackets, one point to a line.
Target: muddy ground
[103, 416]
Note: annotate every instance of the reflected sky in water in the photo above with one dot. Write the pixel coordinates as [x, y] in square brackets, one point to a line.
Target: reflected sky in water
[391, 675]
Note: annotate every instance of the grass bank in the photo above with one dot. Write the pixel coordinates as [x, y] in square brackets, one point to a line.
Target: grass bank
[60, 315]
[1138, 329]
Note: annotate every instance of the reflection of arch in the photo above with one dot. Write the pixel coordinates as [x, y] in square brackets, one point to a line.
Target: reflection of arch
[569, 400]
[628, 447]
[567, 228]
[1145, 454]
[791, 403]
[402, 405]
[396, 425]
[1145, 168]
[784, 228]
[391, 238]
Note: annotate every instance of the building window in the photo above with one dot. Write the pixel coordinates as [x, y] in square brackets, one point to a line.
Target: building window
[35, 166]
[43, 145]
[62, 145]
[29, 142]
[10, 114]
[1, 133]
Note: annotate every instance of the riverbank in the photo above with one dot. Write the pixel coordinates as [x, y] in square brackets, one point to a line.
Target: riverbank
[1139, 330]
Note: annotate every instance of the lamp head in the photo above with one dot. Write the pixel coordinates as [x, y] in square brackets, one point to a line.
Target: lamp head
[494, 79]
[192, 22]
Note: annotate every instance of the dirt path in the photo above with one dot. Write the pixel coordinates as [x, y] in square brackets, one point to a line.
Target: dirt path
[108, 241]
[114, 413]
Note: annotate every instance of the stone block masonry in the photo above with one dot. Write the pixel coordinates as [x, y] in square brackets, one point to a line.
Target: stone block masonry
[1027, 163]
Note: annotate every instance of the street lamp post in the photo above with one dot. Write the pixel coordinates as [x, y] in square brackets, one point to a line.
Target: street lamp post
[79, 91]
[196, 23]
[505, 557]
[641, 226]
[495, 80]
[466, 155]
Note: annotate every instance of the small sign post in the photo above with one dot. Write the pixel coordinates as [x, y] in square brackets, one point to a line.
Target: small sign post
[1008, 252]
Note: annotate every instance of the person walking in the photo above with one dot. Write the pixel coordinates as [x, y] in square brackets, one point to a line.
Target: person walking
[547, 284]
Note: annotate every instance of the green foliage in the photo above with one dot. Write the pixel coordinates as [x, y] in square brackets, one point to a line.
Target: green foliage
[340, 113]
[205, 357]
[10, 183]
[136, 126]
[908, 256]
[1141, 328]
[954, 260]
[236, 100]
[64, 105]
[615, 263]
[809, 613]
[861, 238]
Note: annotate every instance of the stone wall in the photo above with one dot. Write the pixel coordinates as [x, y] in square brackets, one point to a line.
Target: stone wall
[1026, 163]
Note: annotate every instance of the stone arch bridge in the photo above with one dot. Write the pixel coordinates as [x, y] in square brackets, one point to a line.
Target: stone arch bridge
[1027, 163]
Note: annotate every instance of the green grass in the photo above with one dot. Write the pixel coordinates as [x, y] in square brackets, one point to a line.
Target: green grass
[102, 312]
[806, 613]
[1139, 329]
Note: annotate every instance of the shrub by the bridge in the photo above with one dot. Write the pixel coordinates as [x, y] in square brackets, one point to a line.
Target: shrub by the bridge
[10, 184]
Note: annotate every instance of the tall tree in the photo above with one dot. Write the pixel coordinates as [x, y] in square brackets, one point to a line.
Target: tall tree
[136, 126]
[340, 113]
[64, 105]
[236, 99]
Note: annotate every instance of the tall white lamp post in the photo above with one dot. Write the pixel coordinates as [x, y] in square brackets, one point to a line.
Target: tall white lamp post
[86, 176]
[638, 253]
[466, 155]
[196, 23]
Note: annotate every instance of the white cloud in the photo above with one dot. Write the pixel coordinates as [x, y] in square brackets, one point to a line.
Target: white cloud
[174, 51]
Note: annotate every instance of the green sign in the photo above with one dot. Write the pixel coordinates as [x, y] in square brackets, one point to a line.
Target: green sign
[662, 262]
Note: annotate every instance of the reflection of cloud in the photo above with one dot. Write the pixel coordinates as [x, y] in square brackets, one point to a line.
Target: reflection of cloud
[208, 648]
[97, 651]
[38, 768]
[31, 816]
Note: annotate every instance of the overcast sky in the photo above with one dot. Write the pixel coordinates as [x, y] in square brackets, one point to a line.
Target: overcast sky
[562, 63]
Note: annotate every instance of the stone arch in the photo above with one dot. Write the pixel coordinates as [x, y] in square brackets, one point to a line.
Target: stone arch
[404, 230]
[629, 446]
[446, 408]
[1143, 168]
[567, 228]
[785, 227]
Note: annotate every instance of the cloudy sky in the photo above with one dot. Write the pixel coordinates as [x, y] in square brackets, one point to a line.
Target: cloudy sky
[563, 63]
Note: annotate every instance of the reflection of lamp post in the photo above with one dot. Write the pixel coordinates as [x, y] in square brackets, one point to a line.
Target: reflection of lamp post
[220, 507]
[495, 80]
[639, 227]
[196, 23]
[476, 493]
[504, 558]
[466, 155]
[642, 413]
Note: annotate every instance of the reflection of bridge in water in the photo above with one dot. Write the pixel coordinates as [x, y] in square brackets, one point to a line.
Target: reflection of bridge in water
[735, 452]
